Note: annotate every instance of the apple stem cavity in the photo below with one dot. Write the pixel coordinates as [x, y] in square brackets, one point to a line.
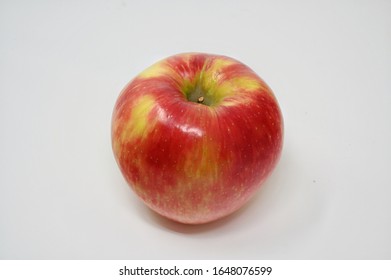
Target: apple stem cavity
[198, 95]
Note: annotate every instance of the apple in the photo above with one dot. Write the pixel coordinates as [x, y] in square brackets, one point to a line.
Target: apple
[195, 135]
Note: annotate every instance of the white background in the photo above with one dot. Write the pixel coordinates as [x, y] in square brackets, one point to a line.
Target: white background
[63, 64]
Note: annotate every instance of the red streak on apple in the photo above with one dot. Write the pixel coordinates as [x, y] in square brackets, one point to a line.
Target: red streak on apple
[195, 136]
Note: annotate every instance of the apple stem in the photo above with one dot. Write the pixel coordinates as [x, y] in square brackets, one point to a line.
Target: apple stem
[200, 99]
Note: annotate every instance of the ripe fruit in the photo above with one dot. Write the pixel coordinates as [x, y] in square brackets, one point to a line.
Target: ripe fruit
[195, 135]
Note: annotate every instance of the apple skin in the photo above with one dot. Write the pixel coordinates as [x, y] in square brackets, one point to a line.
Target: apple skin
[191, 161]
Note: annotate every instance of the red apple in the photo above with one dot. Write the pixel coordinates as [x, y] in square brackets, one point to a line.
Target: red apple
[195, 135]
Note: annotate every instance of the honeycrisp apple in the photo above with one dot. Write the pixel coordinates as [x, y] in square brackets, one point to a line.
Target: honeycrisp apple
[195, 135]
